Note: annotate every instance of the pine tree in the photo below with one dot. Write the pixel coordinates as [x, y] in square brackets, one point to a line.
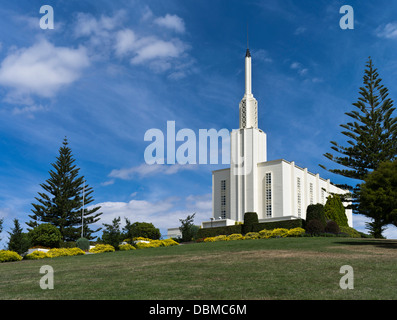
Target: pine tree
[371, 135]
[61, 202]
[18, 241]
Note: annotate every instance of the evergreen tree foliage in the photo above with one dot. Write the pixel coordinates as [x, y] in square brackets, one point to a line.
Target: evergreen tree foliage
[335, 211]
[187, 228]
[372, 133]
[61, 202]
[377, 197]
[371, 136]
[112, 234]
[19, 241]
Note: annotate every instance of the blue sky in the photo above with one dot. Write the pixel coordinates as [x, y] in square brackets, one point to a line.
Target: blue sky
[111, 70]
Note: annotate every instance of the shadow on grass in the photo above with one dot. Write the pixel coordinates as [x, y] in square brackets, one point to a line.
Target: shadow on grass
[381, 243]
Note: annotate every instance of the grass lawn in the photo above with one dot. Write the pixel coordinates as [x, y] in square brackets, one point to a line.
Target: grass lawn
[286, 268]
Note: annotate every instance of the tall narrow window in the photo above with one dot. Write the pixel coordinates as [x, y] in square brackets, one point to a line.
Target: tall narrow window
[268, 194]
[311, 193]
[223, 199]
[299, 196]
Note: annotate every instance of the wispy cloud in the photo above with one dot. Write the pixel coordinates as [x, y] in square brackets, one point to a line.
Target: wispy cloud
[172, 22]
[388, 31]
[144, 170]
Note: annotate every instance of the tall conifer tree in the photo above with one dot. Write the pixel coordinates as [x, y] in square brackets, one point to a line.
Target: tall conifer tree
[371, 134]
[62, 202]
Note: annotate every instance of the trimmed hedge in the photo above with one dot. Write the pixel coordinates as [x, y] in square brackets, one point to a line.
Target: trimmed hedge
[256, 227]
[287, 224]
[213, 232]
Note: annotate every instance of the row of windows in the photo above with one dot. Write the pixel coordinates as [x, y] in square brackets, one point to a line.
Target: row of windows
[268, 194]
[223, 199]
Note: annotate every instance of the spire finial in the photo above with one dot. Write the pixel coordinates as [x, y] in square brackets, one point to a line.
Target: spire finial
[247, 53]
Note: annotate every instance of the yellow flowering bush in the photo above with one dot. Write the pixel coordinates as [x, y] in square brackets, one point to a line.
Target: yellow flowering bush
[126, 247]
[235, 236]
[141, 239]
[154, 243]
[35, 255]
[99, 248]
[265, 234]
[252, 235]
[64, 252]
[279, 232]
[169, 242]
[7, 256]
[209, 239]
[221, 237]
[296, 232]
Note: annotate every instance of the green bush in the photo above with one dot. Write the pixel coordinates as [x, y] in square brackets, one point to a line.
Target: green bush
[213, 232]
[83, 244]
[46, 235]
[286, 224]
[143, 229]
[332, 227]
[352, 233]
[314, 227]
[335, 211]
[250, 219]
[315, 212]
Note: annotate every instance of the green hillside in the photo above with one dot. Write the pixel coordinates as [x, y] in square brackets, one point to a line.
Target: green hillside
[285, 268]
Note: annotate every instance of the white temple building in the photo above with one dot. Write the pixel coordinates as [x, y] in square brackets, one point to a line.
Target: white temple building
[276, 189]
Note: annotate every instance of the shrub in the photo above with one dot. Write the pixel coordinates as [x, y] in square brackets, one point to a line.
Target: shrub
[315, 212]
[265, 234]
[334, 210]
[332, 227]
[99, 248]
[46, 235]
[250, 219]
[314, 227]
[352, 233]
[83, 244]
[279, 233]
[7, 256]
[143, 229]
[126, 247]
[64, 252]
[235, 236]
[296, 232]
[252, 235]
[209, 239]
[35, 255]
[169, 242]
[221, 237]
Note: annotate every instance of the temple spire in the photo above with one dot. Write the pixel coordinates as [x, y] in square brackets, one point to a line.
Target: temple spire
[248, 105]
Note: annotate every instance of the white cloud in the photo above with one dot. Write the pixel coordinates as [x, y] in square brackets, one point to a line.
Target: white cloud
[158, 49]
[172, 22]
[388, 31]
[154, 51]
[42, 69]
[125, 41]
[146, 170]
